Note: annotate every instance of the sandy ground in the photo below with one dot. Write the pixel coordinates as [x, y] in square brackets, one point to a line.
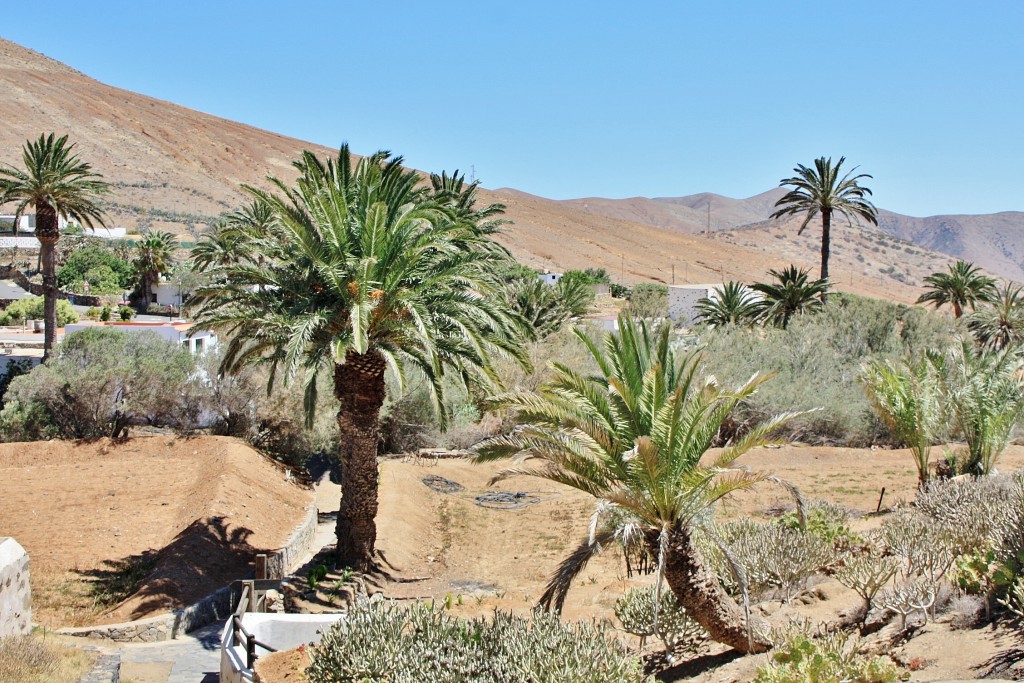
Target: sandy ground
[475, 559]
[195, 510]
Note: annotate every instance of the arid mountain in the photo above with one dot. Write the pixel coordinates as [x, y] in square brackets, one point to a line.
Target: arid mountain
[175, 168]
[993, 241]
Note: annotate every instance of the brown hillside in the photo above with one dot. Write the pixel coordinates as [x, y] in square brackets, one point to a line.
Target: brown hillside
[175, 168]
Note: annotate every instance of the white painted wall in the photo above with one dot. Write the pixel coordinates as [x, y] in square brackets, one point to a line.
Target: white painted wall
[19, 242]
[682, 301]
[15, 591]
[196, 341]
[279, 631]
[550, 278]
[167, 294]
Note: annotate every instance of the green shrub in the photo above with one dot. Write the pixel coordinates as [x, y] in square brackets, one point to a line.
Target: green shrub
[99, 266]
[827, 659]
[106, 314]
[825, 521]
[421, 644]
[648, 300]
[817, 361]
[126, 313]
[99, 381]
[31, 308]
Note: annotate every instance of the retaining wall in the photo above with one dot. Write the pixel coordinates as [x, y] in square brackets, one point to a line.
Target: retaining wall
[15, 592]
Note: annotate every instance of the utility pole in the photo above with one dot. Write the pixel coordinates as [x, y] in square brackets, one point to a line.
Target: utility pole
[622, 269]
[673, 273]
[707, 231]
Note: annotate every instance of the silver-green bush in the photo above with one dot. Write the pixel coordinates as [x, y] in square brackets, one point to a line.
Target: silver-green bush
[421, 644]
[677, 631]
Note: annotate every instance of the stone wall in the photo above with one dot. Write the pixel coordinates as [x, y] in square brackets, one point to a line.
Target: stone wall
[15, 593]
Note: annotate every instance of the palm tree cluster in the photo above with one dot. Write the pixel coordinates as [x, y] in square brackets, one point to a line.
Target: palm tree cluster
[962, 287]
[355, 269]
[790, 293]
[547, 307]
[633, 436]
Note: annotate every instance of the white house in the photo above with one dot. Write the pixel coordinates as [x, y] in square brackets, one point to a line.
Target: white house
[682, 301]
[167, 294]
[26, 223]
[177, 332]
[550, 278]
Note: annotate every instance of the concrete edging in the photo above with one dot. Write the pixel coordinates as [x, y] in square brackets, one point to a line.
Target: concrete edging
[216, 605]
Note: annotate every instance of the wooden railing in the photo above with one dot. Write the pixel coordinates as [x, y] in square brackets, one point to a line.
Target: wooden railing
[249, 601]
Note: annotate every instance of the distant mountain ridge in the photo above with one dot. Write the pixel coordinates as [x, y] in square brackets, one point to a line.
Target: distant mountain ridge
[993, 241]
[175, 168]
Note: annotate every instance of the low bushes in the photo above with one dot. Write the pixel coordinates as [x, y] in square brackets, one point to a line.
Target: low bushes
[801, 658]
[31, 308]
[385, 642]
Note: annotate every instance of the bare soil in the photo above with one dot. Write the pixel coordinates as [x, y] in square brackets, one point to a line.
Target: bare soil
[477, 559]
[185, 515]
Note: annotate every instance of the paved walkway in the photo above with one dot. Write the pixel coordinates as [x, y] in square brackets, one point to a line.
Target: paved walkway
[192, 658]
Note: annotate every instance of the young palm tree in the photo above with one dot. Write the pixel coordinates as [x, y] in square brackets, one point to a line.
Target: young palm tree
[985, 394]
[634, 437]
[153, 256]
[216, 249]
[907, 398]
[57, 184]
[822, 191]
[964, 285]
[733, 304]
[791, 294]
[1001, 324]
[362, 271]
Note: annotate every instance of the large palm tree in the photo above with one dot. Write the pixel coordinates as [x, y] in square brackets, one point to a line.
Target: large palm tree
[822, 191]
[57, 184]
[964, 285]
[732, 304]
[790, 294]
[633, 437]
[1001, 324]
[153, 255]
[363, 270]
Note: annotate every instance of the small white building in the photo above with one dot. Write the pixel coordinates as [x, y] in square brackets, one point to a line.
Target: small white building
[682, 301]
[167, 294]
[550, 278]
[177, 332]
[105, 233]
[26, 222]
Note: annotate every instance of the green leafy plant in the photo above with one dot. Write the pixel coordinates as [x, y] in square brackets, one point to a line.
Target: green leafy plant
[126, 313]
[801, 658]
[32, 308]
[106, 313]
[316, 575]
[677, 631]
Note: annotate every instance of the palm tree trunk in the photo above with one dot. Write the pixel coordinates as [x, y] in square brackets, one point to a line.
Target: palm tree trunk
[826, 245]
[700, 593]
[47, 232]
[359, 387]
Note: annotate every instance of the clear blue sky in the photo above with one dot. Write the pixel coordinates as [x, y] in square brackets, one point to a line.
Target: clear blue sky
[614, 99]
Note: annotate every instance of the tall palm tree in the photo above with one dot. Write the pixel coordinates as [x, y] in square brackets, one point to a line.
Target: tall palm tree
[733, 304]
[57, 184]
[792, 293]
[907, 398]
[633, 437]
[153, 256]
[822, 191]
[964, 285]
[364, 271]
[1000, 324]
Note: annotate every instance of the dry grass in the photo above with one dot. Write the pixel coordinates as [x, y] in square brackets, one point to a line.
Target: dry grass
[33, 659]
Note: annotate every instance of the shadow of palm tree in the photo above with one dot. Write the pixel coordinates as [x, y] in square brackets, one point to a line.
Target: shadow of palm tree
[202, 558]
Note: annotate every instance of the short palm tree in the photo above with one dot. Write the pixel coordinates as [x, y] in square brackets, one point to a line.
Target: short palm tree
[908, 399]
[547, 307]
[1000, 324]
[732, 304]
[822, 191]
[153, 256]
[964, 285]
[633, 437]
[57, 184]
[984, 391]
[363, 270]
[216, 249]
[792, 293]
